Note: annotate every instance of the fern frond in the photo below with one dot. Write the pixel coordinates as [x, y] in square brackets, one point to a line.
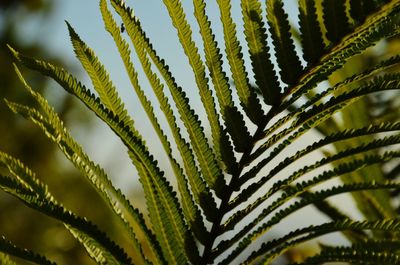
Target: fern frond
[300, 190]
[359, 10]
[53, 127]
[152, 180]
[9, 248]
[317, 114]
[330, 139]
[191, 211]
[311, 35]
[208, 165]
[199, 188]
[358, 254]
[247, 95]
[102, 248]
[361, 148]
[314, 231]
[96, 242]
[230, 113]
[370, 72]
[305, 234]
[377, 26]
[335, 19]
[256, 38]
[71, 85]
[24, 175]
[165, 216]
[354, 79]
[100, 78]
[185, 36]
[286, 56]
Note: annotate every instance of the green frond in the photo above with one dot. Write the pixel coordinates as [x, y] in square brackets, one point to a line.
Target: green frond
[314, 116]
[208, 165]
[330, 139]
[23, 174]
[282, 244]
[199, 188]
[214, 178]
[311, 35]
[234, 121]
[335, 19]
[301, 189]
[192, 213]
[359, 10]
[288, 61]
[239, 132]
[100, 78]
[8, 248]
[381, 67]
[358, 254]
[189, 47]
[247, 95]
[98, 245]
[256, 38]
[333, 213]
[354, 79]
[95, 250]
[130, 138]
[307, 199]
[53, 128]
[377, 26]
[102, 249]
[361, 148]
[166, 218]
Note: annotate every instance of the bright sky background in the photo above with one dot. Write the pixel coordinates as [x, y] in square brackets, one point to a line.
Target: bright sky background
[85, 17]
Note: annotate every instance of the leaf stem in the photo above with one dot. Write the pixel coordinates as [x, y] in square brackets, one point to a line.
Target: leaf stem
[216, 229]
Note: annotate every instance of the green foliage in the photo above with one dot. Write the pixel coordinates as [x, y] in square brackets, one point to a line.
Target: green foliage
[221, 185]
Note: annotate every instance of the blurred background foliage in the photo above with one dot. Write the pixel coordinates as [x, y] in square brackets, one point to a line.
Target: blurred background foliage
[22, 139]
